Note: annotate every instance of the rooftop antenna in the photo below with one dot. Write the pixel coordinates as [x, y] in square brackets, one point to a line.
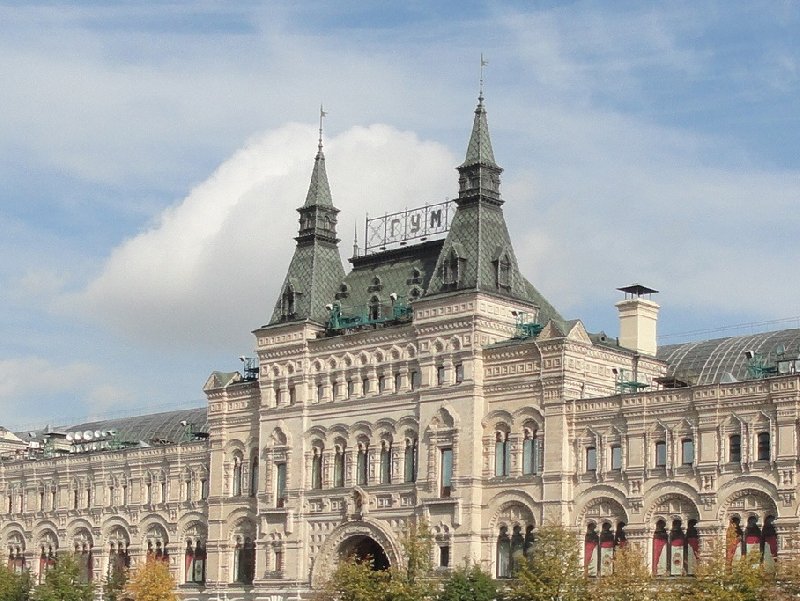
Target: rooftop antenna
[484, 62]
[322, 115]
[355, 239]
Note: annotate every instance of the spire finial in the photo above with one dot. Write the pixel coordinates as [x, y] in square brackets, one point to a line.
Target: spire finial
[484, 62]
[322, 115]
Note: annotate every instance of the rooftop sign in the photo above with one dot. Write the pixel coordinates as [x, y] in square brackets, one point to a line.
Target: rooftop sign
[411, 224]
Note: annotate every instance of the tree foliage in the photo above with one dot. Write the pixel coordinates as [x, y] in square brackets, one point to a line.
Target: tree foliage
[468, 583]
[151, 581]
[355, 580]
[13, 586]
[114, 586]
[629, 580]
[554, 572]
[63, 583]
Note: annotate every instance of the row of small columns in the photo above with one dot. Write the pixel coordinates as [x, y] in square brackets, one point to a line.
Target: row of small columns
[397, 465]
[280, 392]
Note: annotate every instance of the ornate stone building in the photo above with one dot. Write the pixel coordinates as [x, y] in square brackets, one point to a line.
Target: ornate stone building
[434, 382]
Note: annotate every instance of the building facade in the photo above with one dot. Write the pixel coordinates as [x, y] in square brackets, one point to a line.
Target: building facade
[430, 382]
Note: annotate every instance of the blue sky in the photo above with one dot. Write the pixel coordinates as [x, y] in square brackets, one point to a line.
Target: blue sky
[152, 155]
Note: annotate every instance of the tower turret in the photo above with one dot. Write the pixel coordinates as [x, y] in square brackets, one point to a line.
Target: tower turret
[316, 267]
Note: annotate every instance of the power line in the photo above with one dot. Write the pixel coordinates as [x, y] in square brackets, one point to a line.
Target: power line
[741, 326]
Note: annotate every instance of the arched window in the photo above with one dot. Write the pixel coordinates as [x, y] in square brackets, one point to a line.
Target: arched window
[675, 551]
[316, 468]
[118, 557]
[47, 557]
[244, 560]
[599, 547]
[591, 550]
[195, 561]
[503, 553]
[254, 476]
[237, 475]
[410, 461]
[16, 553]
[386, 462]
[82, 552]
[769, 544]
[754, 539]
[763, 446]
[502, 454]
[531, 452]
[338, 466]
[361, 463]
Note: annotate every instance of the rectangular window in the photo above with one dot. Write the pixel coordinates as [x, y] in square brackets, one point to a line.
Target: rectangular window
[440, 374]
[444, 556]
[763, 446]
[365, 386]
[398, 381]
[351, 388]
[591, 459]
[188, 490]
[687, 451]
[280, 484]
[320, 393]
[661, 453]
[459, 373]
[447, 472]
[415, 380]
[386, 465]
[203, 489]
[53, 503]
[292, 395]
[383, 384]
[735, 449]
[616, 458]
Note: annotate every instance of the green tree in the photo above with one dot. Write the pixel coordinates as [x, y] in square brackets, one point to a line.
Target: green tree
[63, 583]
[718, 579]
[115, 583]
[356, 580]
[13, 586]
[468, 583]
[151, 581]
[554, 571]
[629, 580]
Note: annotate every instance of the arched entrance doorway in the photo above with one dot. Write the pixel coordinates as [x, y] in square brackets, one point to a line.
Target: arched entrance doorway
[364, 548]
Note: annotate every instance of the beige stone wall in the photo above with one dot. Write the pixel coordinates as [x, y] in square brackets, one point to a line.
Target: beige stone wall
[477, 391]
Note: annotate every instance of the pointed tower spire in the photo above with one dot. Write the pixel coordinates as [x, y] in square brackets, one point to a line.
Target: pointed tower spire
[319, 191]
[315, 271]
[477, 253]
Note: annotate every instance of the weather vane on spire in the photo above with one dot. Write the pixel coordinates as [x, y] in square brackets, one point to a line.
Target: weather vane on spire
[322, 114]
[484, 62]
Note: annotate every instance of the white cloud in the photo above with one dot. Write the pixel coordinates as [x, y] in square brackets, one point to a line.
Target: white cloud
[209, 270]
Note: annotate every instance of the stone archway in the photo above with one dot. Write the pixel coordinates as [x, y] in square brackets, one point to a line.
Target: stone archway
[359, 538]
[364, 548]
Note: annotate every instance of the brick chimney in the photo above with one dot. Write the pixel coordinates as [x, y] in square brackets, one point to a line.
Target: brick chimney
[638, 317]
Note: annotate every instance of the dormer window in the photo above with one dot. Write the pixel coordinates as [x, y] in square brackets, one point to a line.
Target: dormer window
[288, 299]
[452, 269]
[503, 267]
[344, 291]
[374, 308]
